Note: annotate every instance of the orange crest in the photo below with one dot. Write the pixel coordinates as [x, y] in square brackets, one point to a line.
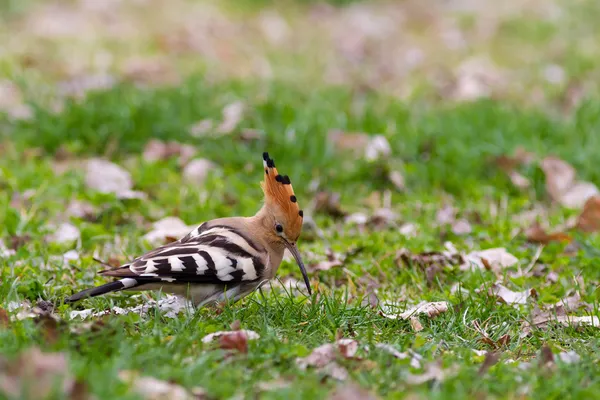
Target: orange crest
[279, 194]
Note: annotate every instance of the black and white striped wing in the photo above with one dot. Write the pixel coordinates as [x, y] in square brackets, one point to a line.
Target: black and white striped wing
[216, 254]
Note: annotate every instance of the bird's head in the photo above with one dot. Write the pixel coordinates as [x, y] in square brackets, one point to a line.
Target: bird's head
[282, 215]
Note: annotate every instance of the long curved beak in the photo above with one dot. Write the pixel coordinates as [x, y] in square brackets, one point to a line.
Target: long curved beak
[294, 250]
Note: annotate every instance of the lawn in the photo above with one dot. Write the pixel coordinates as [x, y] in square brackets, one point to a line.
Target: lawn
[468, 163]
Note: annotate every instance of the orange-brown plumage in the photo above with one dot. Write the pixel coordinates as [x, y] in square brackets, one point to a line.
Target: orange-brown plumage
[279, 194]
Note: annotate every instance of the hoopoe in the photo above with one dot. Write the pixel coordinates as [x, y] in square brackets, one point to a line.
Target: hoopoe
[222, 259]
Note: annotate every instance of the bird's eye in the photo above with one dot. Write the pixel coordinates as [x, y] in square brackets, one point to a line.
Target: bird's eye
[279, 228]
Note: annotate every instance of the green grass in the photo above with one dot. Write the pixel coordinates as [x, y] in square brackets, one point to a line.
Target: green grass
[460, 140]
[445, 151]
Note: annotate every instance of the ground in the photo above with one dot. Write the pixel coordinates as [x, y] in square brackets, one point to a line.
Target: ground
[415, 135]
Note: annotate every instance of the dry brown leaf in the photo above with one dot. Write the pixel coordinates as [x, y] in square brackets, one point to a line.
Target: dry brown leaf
[328, 203]
[149, 71]
[324, 358]
[232, 116]
[197, 171]
[157, 150]
[165, 228]
[429, 258]
[81, 209]
[170, 305]
[546, 357]
[201, 128]
[334, 259]
[351, 391]
[155, 389]
[509, 164]
[378, 148]
[589, 220]
[4, 319]
[355, 142]
[107, 177]
[562, 185]
[569, 357]
[397, 179]
[415, 358]
[446, 215]
[37, 372]
[433, 372]
[503, 341]
[232, 339]
[372, 148]
[490, 360]
[428, 309]
[65, 233]
[543, 319]
[505, 295]
[415, 324]
[537, 234]
[461, 227]
[495, 259]
[80, 85]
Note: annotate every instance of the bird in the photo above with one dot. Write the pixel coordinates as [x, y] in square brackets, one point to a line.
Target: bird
[223, 259]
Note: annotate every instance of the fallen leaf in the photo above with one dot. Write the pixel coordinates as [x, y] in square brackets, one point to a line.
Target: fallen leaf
[4, 319]
[428, 258]
[149, 71]
[106, 177]
[572, 303]
[232, 115]
[80, 85]
[248, 334]
[415, 358]
[490, 360]
[543, 319]
[428, 309]
[589, 219]
[397, 179]
[5, 251]
[355, 142]
[277, 384]
[49, 328]
[446, 215]
[65, 233]
[334, 259]
[351, 391]
[507, 296]
[562, 186]
[81, 209]
[569, 357]
[235, 340]
[461, 227]
[169, 227]
[509, 164]
[170, 305]
[537, 234]
[503, 341]
[201, 128]
[157, 150]
[495, 259]
[42, 374]
[155, 389]
[433, 372]
[546, 357]
[197, 171]
[328, 203]
[377, 148]
[415, 324]
[323, 358]
[408, 230]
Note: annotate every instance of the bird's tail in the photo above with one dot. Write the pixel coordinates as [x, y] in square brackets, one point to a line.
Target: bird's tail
[125, 283]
